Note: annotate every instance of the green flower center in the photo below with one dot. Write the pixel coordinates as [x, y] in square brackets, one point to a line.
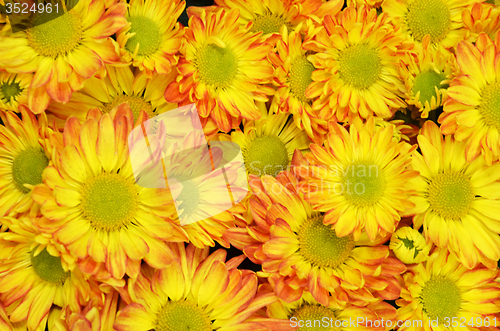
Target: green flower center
[266, 155]
[320, 246]
[9, 91]
[182, 316]
[425, 83]
[147, 36]
[359, 66]
[53, 34]
[269, 23]
[190, 197]
[451, 195]
[136, 104]
[312, 317]
[490, 105]
[28, 167]
[300, 77]
[363, 185]
[428, 17]
[48, 267]
[440, 298]
[216, 66]
[109, 201]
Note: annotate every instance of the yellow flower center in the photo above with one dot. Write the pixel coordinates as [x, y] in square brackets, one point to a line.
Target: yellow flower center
[363, 184]
[136, 104]
[425, 83]
[147, 36]
[54, 34]
[9, 91]
[451, 195]
[216, 66]
[440, 298]
[190, 197]
[269, 23]
[320, 246]
[182, 316]
[359, 66]
[300, 77]
[48, 267]
[28, 167]
[315, 318]
[266, 155]
[109, 201]
[490, 105]
[428, 17]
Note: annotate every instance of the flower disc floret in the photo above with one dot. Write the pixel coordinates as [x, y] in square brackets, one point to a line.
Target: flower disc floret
[109, 202]
[28, 166]
[359, 66]
[451, 195]
[146, 35]
[181, 316]
[320, 246]
[48, 267]
[440, 298]
[430, 17]
[217, 66]
[266, 155]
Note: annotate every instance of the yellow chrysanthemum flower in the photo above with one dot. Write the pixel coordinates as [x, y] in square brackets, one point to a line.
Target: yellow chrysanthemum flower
[356, 61]
[63, 50]
[14, 90]
[441, 294]
[308, 314]
[409, 245]
[471, 110]
[292, 76]
[481, 17]
[441, 19]
[223, 69]
[94, 206]
[121, 85]
[360, 178]
[427, 76]
[25, 152]
[197, 291]
[268, 144]
[457, 202]
[298, 251]
[152, 37]
[33, 276]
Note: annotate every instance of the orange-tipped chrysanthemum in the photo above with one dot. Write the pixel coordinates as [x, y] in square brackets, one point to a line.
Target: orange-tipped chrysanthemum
[94, 206]
[360, 178]
[197, 291]
[427, 76]
[25, 151]
[292, 76]
[471, 112]
[298, 251]
[152, 37]
[121, 85]
[63, 50]
[268, 144]
[441, 19]
[356, 61]
[441, 294]
[481, 17]
[223, 69]
[308, 314]
[34, 276]
[456, 201]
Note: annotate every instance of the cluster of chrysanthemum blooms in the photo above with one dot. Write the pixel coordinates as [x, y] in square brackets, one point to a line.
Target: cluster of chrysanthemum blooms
[356, 199]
